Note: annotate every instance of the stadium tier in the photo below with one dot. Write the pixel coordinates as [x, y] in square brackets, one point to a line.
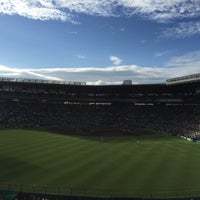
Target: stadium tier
[84, 109]
[184, 79]
[56, 92]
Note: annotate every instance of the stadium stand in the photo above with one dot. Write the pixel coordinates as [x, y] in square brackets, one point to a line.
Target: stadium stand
[83, 109]
[88, 119]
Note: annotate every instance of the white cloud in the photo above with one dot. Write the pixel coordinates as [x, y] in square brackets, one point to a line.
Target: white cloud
[161, 53]
[163, 10]
[42, 10]
[175, 67]
[100, 82]
[182, 30]
[159, 10]
[115, 60]
[72, 32]
[80, 56]
[189, 60]
[24, 73]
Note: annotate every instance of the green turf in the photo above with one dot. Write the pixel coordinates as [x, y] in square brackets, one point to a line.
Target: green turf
[57, 163]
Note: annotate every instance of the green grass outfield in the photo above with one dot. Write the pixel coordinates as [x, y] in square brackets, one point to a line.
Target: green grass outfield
[43, 161]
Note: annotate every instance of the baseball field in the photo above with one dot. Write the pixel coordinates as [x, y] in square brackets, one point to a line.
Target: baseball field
[156, 165]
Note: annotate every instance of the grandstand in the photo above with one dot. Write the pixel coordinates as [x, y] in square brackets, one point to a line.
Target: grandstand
[84, 108]
[184, 79]
[78, 92]
[40, 81]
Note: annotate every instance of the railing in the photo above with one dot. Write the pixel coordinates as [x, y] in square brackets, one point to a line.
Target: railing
[106, 194]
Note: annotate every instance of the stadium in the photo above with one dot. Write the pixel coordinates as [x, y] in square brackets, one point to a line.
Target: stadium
[69, 140]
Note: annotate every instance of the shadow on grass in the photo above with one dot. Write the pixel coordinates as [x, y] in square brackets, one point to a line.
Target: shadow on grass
[13, 168]
[103, 135]
[106, 135]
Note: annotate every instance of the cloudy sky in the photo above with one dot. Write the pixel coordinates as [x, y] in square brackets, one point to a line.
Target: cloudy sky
[99, 41]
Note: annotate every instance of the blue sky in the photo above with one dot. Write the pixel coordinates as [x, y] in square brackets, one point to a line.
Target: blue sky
[101, 41]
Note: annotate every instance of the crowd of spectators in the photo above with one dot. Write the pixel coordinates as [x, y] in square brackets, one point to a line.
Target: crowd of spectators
[89, 119]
